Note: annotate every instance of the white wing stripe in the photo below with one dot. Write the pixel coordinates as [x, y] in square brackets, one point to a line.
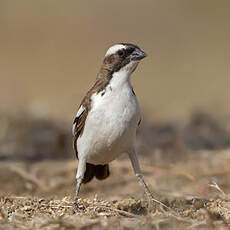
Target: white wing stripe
[79, 112]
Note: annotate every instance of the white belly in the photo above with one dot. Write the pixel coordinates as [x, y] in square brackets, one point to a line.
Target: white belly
[110, 127]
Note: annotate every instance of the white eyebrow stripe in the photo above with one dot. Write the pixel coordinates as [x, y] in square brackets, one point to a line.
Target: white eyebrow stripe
[114, 49]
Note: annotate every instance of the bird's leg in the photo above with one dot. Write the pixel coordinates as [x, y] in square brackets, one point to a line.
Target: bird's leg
[138, 173]
[79, 177]
[78, 185]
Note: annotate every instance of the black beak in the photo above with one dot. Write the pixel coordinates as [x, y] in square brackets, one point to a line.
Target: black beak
[137, 55]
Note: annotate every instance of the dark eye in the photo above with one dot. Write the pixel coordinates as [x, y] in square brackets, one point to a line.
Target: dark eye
[121, 53]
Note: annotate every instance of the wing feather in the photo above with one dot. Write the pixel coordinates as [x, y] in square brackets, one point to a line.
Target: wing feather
[79, 121]
[78, 125]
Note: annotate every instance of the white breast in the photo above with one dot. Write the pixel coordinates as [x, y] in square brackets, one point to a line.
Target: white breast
[110, 127]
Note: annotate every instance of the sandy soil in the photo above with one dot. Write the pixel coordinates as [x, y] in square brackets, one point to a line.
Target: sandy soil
[185, 165]
[40, 196]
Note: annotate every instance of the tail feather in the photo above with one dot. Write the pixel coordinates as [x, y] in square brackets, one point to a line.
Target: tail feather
[101, 172]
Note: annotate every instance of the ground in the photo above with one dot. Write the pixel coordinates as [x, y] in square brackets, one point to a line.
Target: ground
[185, 165]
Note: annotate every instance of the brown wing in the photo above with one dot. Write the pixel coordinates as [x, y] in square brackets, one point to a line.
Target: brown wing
[79, 121]
[78, 125]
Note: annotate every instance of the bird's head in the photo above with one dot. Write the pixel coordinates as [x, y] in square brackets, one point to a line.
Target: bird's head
[123, 58]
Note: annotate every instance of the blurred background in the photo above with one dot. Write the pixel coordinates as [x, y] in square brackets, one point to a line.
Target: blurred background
[52, 50]
[50, 54]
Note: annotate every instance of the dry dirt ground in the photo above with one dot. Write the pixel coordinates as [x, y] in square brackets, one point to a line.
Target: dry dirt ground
[186, 167]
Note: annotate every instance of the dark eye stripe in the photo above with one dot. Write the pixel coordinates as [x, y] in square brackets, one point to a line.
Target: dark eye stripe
[125, 52]
[129, 50]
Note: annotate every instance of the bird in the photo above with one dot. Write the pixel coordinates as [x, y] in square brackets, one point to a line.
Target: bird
[108, 117]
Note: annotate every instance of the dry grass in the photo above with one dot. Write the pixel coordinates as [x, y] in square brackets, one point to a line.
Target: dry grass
[39, 196]
[39, 213]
